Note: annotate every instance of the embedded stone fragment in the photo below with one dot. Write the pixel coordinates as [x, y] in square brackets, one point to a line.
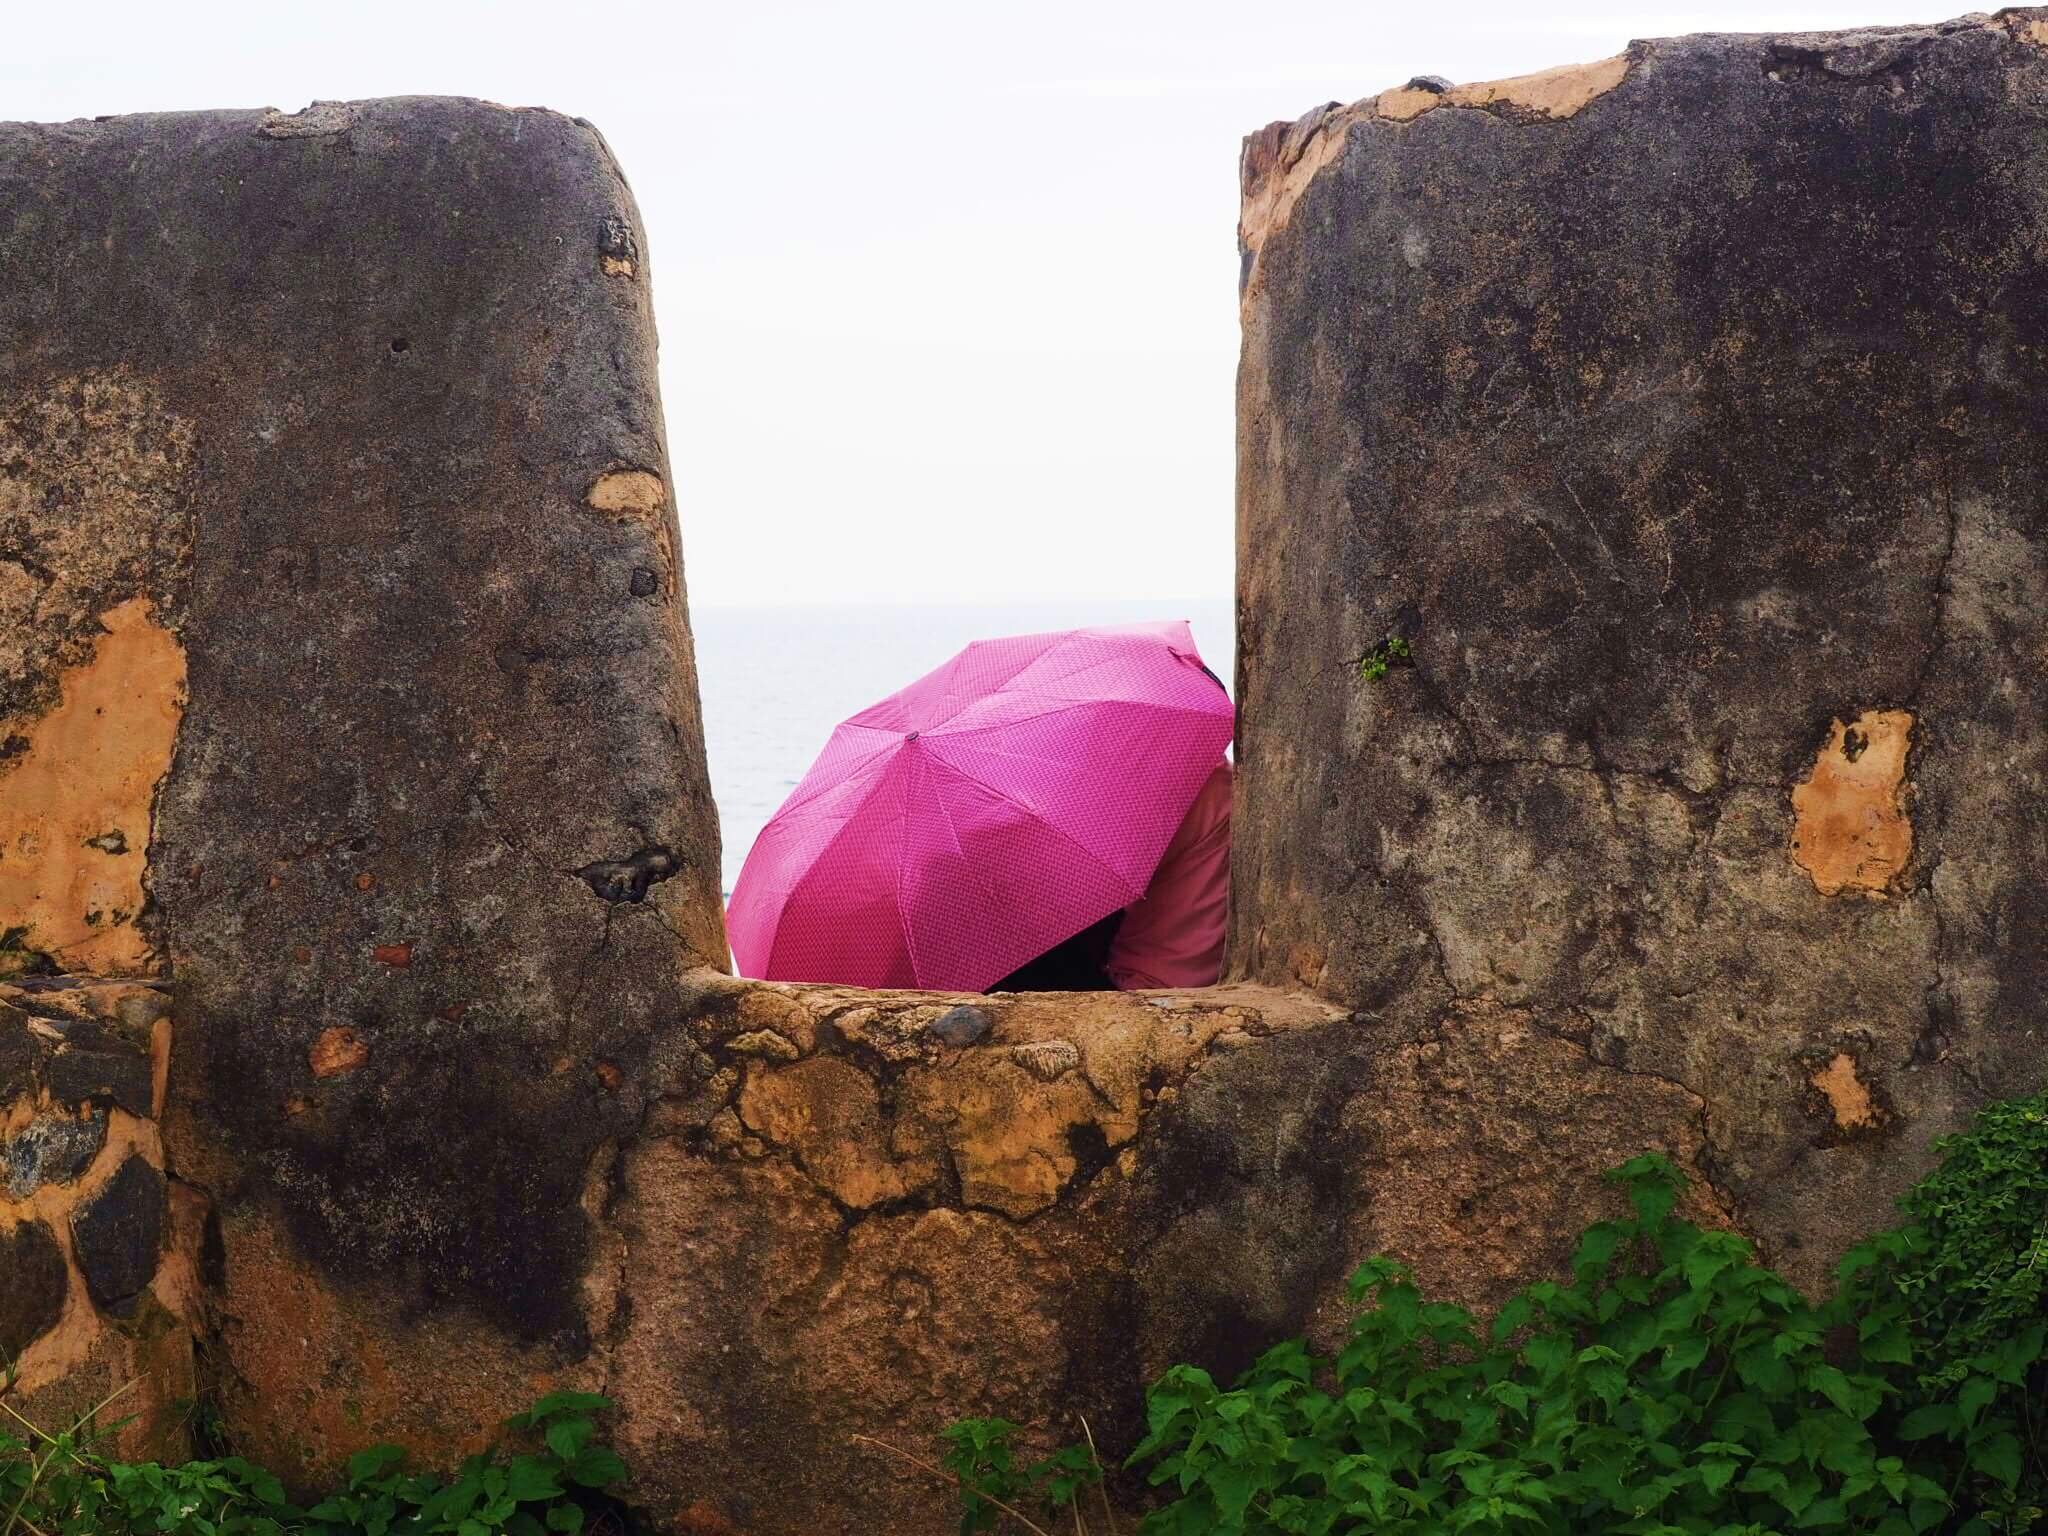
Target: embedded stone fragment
[765, 1043]
[337, 1050]
[33, 1282]
[961, 1026]
[1852, 829]
[19, 1055]
[118, 1235]
[52, 1149]
[1046, 1059]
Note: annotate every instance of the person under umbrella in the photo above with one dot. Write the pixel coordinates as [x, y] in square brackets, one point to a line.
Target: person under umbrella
[1017, 796]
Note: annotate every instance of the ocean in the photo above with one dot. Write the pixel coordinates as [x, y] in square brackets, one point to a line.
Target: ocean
[777, 680]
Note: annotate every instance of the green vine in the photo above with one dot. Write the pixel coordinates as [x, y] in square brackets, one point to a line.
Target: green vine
[1674, 1387]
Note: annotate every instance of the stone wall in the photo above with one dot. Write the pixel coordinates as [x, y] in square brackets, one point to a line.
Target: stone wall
[1684, 412]
[347, 693]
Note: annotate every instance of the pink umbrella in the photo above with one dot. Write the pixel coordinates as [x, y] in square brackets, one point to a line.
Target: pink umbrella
[988, 811]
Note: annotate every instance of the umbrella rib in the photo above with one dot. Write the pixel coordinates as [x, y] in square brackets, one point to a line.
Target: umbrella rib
[782, 907]
[982, 693]
[1011, 800]
[902, 846]
[799, 798]
[1073, 704]
[953, 832]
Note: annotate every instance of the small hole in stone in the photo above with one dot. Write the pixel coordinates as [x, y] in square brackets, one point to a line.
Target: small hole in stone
[400, 344]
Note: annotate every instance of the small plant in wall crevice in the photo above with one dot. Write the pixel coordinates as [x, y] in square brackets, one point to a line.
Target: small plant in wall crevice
[1394, 651]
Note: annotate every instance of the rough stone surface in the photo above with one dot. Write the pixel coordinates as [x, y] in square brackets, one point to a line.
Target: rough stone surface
[118, 1235]
[1684, 412]
[32, 1299]
[348, 380]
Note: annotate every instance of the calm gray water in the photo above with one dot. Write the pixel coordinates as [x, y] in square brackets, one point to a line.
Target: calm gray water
[777, 680]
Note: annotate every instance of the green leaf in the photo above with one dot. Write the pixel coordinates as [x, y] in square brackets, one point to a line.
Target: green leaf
[557, 1403]
[567, 1437]
[567, 1518]
[1889, 1345]
[1933, 1419]
[1715, 1475]
[1998, 1458]
[597, 1467]
[1684, 1355]
[1977, 1394]
[374, 1462]
[530, 1479]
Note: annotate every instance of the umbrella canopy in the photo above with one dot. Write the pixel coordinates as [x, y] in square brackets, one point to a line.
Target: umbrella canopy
[985, 813]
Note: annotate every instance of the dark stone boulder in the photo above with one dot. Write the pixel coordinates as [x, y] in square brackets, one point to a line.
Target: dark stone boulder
[118, 1235]
[33, 1282]
[19, 1055]
[104, 1070]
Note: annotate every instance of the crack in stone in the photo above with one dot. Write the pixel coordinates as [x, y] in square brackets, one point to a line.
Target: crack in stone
[1943, 592]
[1699, 1100]
[589, 964]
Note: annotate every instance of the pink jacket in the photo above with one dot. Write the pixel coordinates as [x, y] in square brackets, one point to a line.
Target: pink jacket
[1173, 936]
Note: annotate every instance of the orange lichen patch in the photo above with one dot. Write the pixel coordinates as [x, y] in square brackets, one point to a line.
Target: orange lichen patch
[1282, 159]
[1278, 164]
[1851, 831]
[1559, 92]
[627, 490]
[399, 955]
[76, 804]
[1404, 103]
[335, 1370]
[617, 266]
[338, 1050]
[1847, 1095]
[1011, 1136]
[640, 495]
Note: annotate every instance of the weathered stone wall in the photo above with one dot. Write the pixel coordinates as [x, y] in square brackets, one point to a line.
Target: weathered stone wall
[1685, 412]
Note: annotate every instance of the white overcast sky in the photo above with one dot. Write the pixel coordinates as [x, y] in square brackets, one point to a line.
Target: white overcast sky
[947, 290]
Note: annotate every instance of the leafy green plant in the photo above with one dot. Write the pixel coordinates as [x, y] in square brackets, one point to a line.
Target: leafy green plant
[1970, 1276]
[1394, 651]
[1977, 1271]
[1674, 1387]
[63, 1484]
[996, 1488]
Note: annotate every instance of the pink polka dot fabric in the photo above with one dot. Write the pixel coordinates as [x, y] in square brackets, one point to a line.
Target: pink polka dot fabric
[993, 808]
